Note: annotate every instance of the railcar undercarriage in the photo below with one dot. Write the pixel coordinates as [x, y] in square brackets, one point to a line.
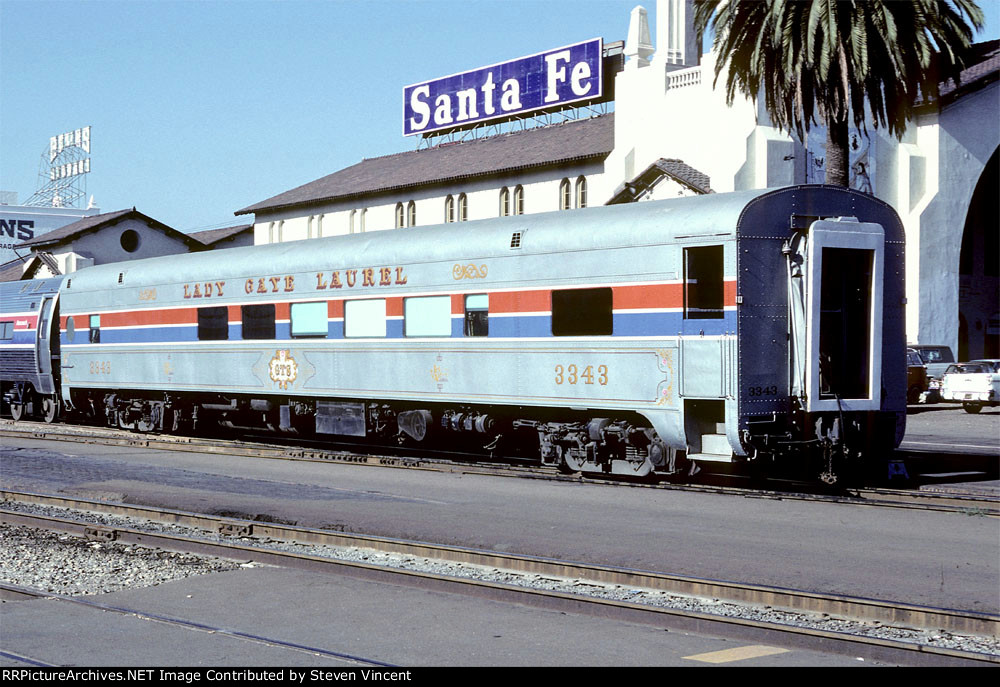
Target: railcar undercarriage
[574, 441]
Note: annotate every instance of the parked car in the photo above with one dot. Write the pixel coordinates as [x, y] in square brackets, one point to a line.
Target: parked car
[936, 358]
[974, 384]
[916, 376]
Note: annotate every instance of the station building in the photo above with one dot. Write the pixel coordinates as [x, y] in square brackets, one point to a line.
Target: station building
[670, 132]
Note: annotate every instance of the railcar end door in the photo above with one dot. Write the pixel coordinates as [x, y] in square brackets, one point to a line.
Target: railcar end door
[845, 268]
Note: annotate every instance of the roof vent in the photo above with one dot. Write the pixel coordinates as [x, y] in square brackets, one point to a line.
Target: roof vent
[515, 239]
[121, 277]
[69, 283]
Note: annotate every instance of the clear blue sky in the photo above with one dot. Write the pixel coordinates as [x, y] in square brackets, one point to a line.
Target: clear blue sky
[200, 108]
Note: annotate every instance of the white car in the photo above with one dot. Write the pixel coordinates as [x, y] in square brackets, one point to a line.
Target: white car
[973, 384]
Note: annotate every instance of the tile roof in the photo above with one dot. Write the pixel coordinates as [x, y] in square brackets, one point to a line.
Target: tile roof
[678, 170]
[568, 142]
[985, 70]
[77, 227]
[215, 235]
[12, 271]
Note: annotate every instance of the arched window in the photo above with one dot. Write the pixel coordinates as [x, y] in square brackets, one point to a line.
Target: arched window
[564, 194]
[270, 233]
[350, 224]
[411, 214]
[519, 200]
[504, 202]
[309, 226]
[399, 215]
[319, 226]
[364, 213]
[463, 208]
[581, 192]
[449, 209]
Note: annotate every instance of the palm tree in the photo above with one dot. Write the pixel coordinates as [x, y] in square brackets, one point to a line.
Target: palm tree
[826, 58]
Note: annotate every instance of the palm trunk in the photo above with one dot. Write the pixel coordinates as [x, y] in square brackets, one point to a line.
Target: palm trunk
[838, 155]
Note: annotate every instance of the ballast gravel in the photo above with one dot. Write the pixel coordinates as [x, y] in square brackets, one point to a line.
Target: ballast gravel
[69, 565]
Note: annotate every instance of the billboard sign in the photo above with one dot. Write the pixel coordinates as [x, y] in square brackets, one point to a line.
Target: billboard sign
[79, 138]
[546, 80]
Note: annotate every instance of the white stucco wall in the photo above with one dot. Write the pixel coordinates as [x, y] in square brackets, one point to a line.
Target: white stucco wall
[959, 143]
[541, 194]
[105, 245]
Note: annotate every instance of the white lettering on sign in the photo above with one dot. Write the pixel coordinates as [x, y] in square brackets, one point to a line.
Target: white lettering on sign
[537, 82]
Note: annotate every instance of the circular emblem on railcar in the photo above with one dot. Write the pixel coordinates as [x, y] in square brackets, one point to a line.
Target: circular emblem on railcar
[283, 369]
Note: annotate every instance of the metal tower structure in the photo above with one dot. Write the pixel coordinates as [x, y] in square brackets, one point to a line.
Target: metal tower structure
[62, 173]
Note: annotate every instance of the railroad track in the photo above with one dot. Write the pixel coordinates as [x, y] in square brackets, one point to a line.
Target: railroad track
[288, 546]
[973, 504]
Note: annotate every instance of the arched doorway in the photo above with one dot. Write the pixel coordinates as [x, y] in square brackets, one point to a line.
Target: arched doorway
[979, 269]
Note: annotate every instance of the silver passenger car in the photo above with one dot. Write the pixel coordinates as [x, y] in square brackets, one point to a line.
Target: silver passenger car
[759, 326]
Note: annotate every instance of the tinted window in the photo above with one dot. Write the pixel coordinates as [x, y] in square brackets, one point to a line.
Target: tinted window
[477, 315]
[427, 316]
[213, 324]
[95, 329]
[309, 319]
[6, 331]
[703, 283]
[364, 318]
[258, 321]
[582, 312]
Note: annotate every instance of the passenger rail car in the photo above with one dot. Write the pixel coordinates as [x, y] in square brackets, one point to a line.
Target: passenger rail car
[632, 339]
[29, 348]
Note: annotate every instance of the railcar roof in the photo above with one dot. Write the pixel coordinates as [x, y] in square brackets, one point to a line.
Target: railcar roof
[636, 224]
[717, 215]
[20, 296]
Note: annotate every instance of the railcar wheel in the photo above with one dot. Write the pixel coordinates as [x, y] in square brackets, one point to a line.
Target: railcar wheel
[50, 409]
[972, 407]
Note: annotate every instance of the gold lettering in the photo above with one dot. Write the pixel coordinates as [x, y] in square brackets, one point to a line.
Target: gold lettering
[352, 277]
[274, 283]
[186, 294]
[320, 282]
[261, 288]
[385, 275]
[400, 279]
[208, 289]
[218, 287]
[248, 287]
[289, 283]
[335, 281]
[197, 292]
[369, 277]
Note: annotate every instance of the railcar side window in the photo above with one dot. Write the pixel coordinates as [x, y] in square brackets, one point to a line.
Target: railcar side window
[95, 329]
[582, 312]
[477, 315]
[364, 318]
[427, 316]
[213, 324]
[703, 283]
[309, 319]
[258, 321]
[6, 331]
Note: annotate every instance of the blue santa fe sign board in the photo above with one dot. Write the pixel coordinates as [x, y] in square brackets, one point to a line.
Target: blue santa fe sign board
[549, 79]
